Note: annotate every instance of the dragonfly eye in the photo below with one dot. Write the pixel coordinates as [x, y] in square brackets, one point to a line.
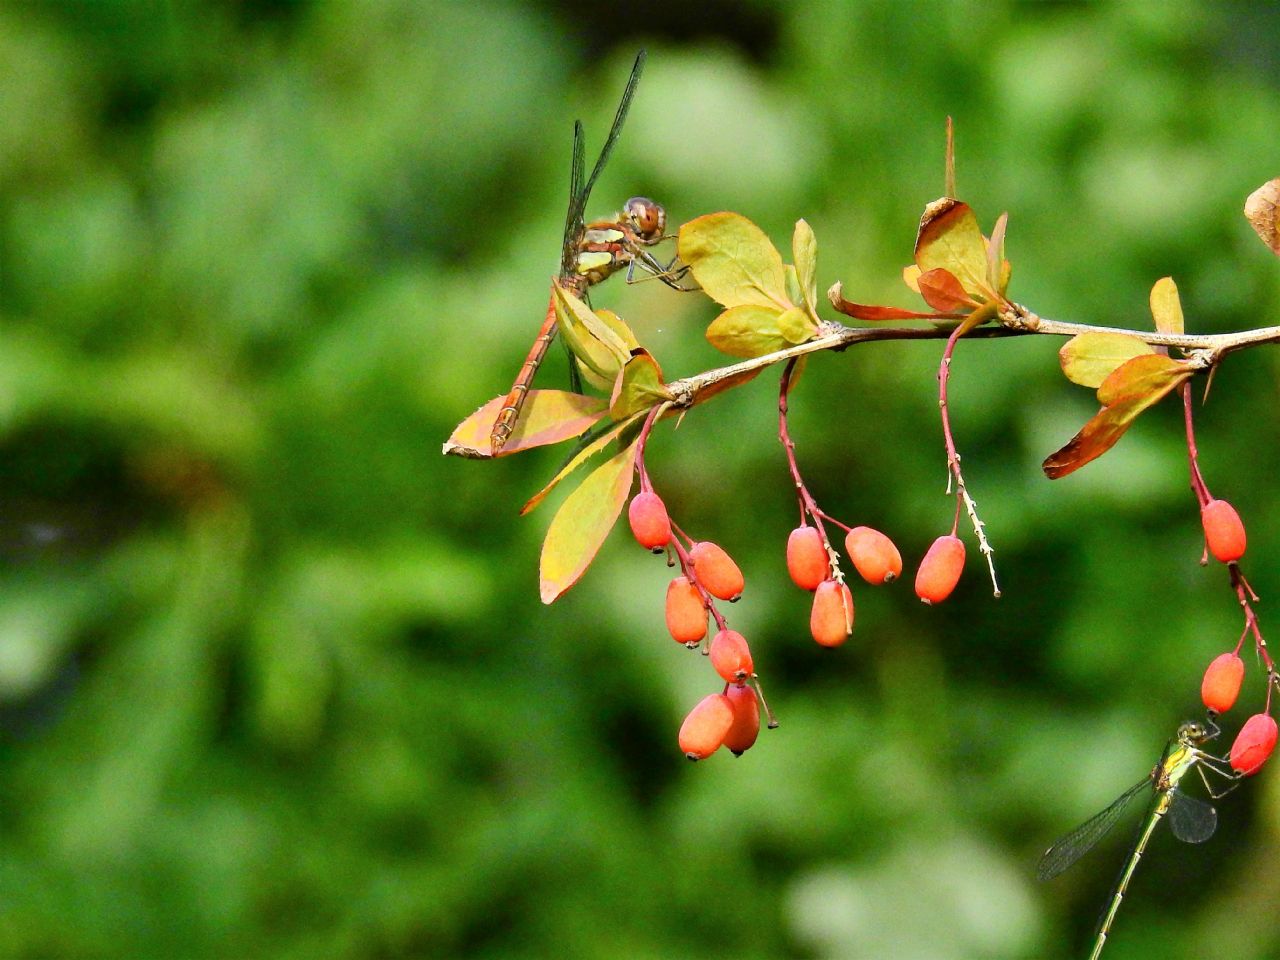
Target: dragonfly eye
[648, 218]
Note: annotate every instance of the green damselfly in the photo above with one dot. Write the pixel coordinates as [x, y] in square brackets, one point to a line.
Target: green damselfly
[1191, 820]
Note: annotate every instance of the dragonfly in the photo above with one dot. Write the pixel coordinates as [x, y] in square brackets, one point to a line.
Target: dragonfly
[1191, 820]
[592, 252]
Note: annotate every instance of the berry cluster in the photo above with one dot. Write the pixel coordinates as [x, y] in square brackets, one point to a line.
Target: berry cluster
[814, 564]
[730, 718]
[1225, 540]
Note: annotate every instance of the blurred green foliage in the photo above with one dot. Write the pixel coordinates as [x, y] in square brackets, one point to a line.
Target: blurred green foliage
[274, 675]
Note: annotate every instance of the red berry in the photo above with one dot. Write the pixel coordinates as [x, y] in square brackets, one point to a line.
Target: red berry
[649, 522]
[831, 620]
[1254, 743]
[716, 571]
[686, 616]
[873, 554]
[940, 569]
[1223, 531]
[1221, 683]
[807, 559]
[731, 657]
[746, 719]
[706, 726]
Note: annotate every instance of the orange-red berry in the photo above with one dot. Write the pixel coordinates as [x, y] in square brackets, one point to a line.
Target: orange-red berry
[746, 719]
[807, 559]
[873, 554]
[831, 620]
[1221, 684]
[940, 569]
[649, 521]
[706, 726]
[686, 615]
[1254, 743]
[731, 657]
[1223, 530]
[716, 571]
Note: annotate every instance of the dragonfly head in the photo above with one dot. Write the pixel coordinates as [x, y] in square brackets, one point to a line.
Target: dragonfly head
[647, 218]
[1196, 732]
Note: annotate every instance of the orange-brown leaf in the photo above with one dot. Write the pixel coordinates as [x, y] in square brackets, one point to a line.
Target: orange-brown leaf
[1260, 211]
[728, 383]
[582, 523]
[942, 291]
[548, 416]
[1150, 373]
[1096, 437]
[863, 311]
[1146, 383]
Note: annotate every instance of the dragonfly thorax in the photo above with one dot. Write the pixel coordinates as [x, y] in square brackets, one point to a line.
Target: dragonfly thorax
[607, 246]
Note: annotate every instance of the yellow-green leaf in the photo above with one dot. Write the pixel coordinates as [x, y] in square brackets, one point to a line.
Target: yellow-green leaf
[796, 326]
[593, 378]
[578, 459]
[794, 293]
[997, 265]
[1166, 308]
[804, 251]
[1152, 373]
[639, 386]
[548, 416]
[582, 523]
[592, 340]
[733, 261]
[747, 331]
[950, 238]
[625, 334]
[1089, 358]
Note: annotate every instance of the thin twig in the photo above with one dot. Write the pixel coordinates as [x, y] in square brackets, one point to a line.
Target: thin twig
[1204, 350]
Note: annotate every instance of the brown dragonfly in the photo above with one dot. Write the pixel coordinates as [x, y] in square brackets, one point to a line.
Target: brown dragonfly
[593, 252]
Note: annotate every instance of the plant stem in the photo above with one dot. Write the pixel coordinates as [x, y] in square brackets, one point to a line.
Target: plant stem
[953, 463]
[807, 503]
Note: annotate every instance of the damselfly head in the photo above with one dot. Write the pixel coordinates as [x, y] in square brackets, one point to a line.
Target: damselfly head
[647, 217]
[1195, 732]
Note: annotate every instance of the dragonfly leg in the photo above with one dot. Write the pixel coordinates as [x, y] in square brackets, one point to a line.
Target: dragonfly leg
[655, 270]
[1231, 776]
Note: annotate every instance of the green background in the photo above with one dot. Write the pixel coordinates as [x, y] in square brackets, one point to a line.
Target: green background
[274, 676]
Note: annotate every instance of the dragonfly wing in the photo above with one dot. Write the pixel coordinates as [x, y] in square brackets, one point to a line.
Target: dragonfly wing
[1083, 838]
[1191, 820]
[577, 200]
[621, 115]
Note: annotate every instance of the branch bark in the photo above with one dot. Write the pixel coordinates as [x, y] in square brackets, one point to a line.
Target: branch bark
[1204, 350]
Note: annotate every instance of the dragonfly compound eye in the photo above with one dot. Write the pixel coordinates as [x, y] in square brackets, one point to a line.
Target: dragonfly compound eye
[647, 217]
